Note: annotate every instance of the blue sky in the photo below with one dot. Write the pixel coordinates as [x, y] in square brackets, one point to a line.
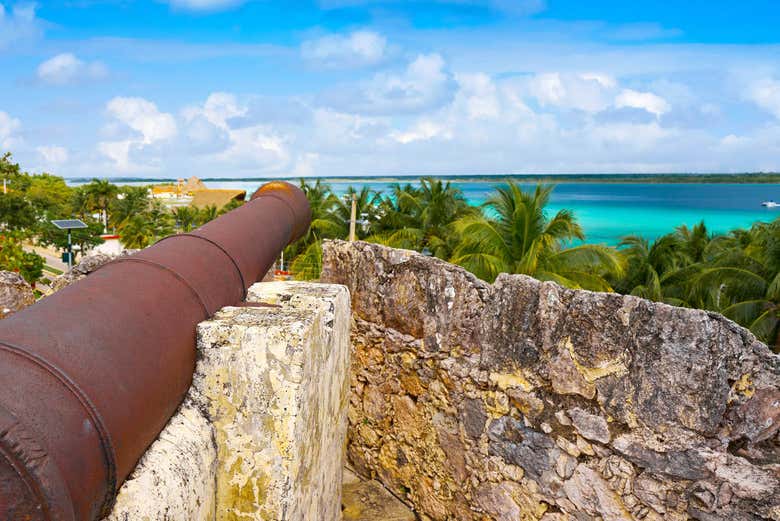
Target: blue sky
[231, 88]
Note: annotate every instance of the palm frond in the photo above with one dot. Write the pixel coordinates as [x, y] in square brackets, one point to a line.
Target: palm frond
[747, 311]
[765, 327]
[483, 265]
[588, 280]
[599, 258]
[308, 265]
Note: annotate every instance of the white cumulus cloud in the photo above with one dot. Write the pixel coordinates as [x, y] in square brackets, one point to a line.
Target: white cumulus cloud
[19, 24]
[423, 131]
[207, 127]
[588, 92]
[357, 49]
[217, 110]
[423, 85]
[257, 147]
[119, 153]
[144, 117]
[66, 68]
[8, 126]
[149, 127]
[766, 94]
[205, 5]
[647, 101]
[53, 155]
[514, 7]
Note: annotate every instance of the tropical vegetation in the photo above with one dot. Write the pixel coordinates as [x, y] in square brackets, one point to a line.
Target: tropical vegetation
[736, 274]
[29, 203]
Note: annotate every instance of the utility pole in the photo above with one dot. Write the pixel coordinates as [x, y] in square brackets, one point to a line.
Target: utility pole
[353, 218]
[70, 252]
[5, 190]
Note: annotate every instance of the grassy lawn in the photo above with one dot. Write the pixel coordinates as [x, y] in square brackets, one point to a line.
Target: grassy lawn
[49, 269]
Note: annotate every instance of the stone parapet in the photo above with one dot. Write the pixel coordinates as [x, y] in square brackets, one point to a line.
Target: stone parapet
[15, 293]
[175, 479]
[523, 400]
[261, 433]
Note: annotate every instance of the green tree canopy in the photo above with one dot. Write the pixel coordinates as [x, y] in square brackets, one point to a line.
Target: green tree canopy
[13, 257]
[16, 211]
[100, 195]
[130, 200]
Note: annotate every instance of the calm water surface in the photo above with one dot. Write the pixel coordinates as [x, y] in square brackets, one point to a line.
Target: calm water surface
[609, 211]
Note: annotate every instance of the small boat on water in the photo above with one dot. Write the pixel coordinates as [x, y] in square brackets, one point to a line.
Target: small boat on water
[770, 204]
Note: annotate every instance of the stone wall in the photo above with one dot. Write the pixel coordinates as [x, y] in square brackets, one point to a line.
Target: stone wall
[15, 293]
[523, 400]
[261, 433]
[85, 266]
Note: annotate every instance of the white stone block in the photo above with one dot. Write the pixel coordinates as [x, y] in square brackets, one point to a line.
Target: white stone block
[274, 382]
[175, 478]
[261, 434]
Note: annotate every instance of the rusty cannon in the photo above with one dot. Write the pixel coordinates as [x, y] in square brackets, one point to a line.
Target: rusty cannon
[92, 374]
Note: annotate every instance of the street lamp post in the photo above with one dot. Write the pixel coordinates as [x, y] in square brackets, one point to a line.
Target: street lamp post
[70, 252]
[68, 225]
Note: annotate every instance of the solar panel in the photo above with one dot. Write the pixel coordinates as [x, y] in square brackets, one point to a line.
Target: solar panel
[69, 224]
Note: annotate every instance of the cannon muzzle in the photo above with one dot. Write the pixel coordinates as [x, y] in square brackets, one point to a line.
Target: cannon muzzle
[91, 374]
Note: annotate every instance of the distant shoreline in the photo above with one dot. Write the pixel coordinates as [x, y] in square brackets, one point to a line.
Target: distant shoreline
[747, 178]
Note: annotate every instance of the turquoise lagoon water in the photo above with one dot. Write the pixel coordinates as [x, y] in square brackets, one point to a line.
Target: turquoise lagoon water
[609, 211]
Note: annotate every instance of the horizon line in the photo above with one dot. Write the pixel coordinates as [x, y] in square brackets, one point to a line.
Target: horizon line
[395, 176]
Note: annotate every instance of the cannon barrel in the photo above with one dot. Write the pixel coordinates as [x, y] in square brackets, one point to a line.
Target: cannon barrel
[92, 374]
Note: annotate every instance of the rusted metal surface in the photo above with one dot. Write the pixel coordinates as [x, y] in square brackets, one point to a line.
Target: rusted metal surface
[91, 375]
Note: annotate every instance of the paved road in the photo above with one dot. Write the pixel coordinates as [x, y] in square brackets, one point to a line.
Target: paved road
[52, 257]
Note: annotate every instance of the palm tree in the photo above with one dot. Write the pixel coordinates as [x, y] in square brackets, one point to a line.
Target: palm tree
[186, 218]
[759, 311]
[137, 231]
[742, 280]
[397, 209]
[162, 219]
[327, 221]
[131, 200]
[654, 268]
[143, 229]
[422, 218]
[101, 192]
[516, 236]
[322, 201]
[232, 205]
[694, 241]
[308, 265]
[207, 213]
[80, 202]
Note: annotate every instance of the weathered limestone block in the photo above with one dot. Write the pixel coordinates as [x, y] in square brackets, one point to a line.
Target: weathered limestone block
[526, 400]
[175, 479]
[261, 433]
[273, 381]
[15, 293]
[369, 501]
